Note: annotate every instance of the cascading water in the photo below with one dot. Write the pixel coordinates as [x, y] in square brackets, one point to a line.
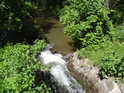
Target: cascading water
[59, 72]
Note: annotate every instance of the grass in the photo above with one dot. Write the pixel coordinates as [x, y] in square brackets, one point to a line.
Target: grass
[108, 57]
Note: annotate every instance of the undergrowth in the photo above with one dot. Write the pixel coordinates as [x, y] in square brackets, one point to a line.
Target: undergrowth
[108, 57]
[91, 25]
[18, 65]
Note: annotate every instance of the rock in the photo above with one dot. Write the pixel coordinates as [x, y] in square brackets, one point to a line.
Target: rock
[89, 74]
[121, 86]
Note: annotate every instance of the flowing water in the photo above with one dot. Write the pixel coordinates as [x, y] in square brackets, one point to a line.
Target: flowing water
[59, 72]
[62, 80]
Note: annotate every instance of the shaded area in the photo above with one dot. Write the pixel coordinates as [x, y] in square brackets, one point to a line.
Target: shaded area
[45, 77]
[30, 32]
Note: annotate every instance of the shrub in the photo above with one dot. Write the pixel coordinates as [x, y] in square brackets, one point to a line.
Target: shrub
[87, 22]
[18, 65]
[109, 57]
[14, 15]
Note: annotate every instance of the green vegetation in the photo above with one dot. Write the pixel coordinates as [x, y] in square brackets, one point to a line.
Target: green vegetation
[109, 58]
[18, 66]
[119, 31]
[19, 46]
[87, 22]
[118, 11]
[97, 30]
[16, 20]
[14, 14]
[52, 7]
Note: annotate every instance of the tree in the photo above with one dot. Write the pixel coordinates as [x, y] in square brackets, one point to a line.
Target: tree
[87, 21]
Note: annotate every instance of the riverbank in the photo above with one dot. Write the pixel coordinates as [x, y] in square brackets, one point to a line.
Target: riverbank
[89, 75]
[81, 70]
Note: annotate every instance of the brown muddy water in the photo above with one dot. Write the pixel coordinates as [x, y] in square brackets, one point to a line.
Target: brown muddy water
[54, 32]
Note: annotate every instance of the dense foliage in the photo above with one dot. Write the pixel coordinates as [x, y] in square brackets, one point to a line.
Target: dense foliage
[109, 58]
[16, 22]
[120, 33]
[87, 22]
[94, 26]
[14, 14]
[18, 66]
[118, 14]
[18, 62]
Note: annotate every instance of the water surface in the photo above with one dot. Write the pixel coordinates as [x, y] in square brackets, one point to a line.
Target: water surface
[59, 73]
[54, 31]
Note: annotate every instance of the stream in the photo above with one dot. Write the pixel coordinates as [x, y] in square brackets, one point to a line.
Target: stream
[59, 73]
[53, 30]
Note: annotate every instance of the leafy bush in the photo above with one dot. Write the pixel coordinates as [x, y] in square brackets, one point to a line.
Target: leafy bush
[118, 14]
[18, 65]
[16, 21]
[113, 65]
[87, 22]
[53, 7]
[109, 57]
[13, 15]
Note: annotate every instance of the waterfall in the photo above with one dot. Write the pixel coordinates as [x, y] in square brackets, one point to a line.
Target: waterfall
[59, 72]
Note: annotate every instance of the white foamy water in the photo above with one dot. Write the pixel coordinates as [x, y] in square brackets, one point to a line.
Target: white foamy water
[60, 73]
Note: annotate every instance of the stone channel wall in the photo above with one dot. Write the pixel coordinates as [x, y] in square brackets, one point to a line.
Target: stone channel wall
[89, 75]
